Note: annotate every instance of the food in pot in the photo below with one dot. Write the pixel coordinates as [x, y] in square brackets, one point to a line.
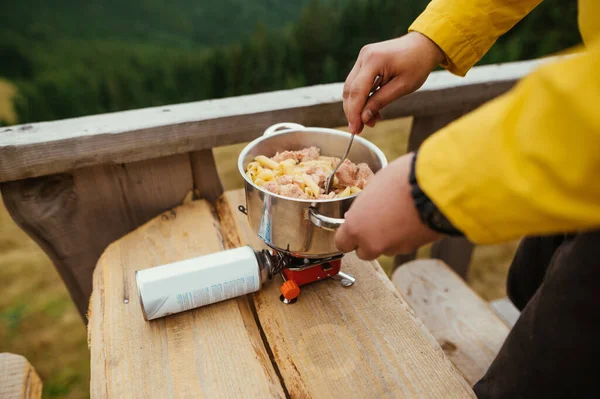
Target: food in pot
[303, 174]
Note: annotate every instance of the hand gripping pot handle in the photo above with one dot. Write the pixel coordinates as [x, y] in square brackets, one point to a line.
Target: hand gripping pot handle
[282, 126]
[324, 222]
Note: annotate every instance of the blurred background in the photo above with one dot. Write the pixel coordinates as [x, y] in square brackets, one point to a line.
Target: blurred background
[64, 59]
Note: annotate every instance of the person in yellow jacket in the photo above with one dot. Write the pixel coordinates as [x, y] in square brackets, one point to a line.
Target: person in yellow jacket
[525, 164]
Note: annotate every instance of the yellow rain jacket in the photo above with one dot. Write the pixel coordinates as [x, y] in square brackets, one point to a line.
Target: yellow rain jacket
[527, 162]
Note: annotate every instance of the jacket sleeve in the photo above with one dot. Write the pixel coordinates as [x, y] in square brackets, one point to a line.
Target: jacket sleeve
[525, 163]
[466, 29]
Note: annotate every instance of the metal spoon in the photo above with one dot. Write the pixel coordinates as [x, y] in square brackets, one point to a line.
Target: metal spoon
[374, 88]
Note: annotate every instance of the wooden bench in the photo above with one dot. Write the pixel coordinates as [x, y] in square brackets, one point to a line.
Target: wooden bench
[77, 185]
[18, 379]
[467, 328]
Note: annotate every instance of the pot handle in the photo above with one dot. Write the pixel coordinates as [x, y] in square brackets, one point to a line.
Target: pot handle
[324, 222]
[284, 125]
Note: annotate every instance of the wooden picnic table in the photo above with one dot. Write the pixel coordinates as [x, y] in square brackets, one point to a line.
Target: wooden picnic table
[363, 341]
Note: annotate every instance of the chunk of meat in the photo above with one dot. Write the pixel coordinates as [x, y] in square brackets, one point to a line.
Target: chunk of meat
[303, 155]
[363, 174]
[285, 179]
[346, 174]
[291, 190]
[308, 154]
[319, 177]
[311, 169]
[318, 174]
[271, 186]
[282, 156]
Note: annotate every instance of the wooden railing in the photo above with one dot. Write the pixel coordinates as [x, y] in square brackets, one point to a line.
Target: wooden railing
[77, 185]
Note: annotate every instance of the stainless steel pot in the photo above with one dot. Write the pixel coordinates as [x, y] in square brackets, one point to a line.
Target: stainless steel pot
[300, 227]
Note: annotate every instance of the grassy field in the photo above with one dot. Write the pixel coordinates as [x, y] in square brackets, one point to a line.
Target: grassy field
[37, 318]
[39, 321]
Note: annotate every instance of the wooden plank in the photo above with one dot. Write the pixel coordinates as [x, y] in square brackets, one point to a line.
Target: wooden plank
[505, 309]
[337, 342]
[73, 217]
[211, 352]
[18, 379]
[54, 147]
[464, 324]
[207, 182]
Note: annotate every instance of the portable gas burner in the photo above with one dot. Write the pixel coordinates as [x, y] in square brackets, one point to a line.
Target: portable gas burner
[297, 271]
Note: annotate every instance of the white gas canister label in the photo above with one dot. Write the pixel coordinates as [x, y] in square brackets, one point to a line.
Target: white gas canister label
[197, 282]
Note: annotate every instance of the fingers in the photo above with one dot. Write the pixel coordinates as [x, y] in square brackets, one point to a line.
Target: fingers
[348, 85]
[373, 121]
[365, 254]
[357, 97]
[344, 240]
[345, 243]
[386, 94]
[350, 79]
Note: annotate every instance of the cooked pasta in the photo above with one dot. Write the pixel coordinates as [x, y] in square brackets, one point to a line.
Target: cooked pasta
[303, 174]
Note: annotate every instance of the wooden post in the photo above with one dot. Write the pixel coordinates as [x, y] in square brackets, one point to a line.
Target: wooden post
[454, 251]
[206, 178]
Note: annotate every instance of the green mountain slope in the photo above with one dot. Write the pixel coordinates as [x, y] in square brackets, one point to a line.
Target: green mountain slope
[180, 23]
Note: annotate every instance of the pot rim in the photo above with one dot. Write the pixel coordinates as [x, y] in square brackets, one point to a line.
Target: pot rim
[380, 155]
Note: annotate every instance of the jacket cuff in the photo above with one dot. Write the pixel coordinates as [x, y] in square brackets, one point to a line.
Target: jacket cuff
[438, 26]
[428, 212]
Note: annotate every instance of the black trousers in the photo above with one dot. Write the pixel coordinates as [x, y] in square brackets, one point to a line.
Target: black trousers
[554, 348]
